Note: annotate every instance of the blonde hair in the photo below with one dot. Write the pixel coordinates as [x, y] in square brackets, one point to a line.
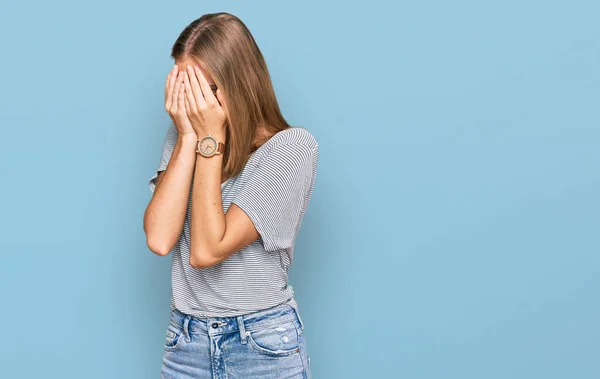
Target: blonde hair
[224, 48]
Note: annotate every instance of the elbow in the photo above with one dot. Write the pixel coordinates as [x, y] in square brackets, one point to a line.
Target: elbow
[202, 259]
[159, 239]
[158, 247]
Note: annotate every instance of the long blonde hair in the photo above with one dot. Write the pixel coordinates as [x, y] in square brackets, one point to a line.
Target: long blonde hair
[223, 47]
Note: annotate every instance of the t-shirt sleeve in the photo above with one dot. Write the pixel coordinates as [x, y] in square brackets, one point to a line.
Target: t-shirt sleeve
[274, 196]
[167, 151]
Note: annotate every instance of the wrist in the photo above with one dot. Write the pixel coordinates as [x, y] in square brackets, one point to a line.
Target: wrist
[220, 136]
[188, 140]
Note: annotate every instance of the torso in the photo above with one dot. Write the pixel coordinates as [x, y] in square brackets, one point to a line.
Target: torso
[261, 135]
[216, 291]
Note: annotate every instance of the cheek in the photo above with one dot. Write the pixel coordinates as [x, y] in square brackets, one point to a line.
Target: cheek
[222, 100]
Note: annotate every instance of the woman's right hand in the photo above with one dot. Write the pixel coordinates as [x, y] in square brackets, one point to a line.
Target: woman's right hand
[175, 102]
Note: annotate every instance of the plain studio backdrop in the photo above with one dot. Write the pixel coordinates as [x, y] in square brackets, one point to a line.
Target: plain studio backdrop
[454, 230]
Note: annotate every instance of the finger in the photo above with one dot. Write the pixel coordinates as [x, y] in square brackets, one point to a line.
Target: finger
[168, 82]
[176, 91]
[170, 86]
[167, 86]
[209, 97]
[196, 88]
[181, 101]
[189, 95]
[187, 105]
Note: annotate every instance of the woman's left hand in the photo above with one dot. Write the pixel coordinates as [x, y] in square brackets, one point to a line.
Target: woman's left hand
[203, 108]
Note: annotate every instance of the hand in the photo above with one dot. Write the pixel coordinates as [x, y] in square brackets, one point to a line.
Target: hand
[175, 103]
[203, 108]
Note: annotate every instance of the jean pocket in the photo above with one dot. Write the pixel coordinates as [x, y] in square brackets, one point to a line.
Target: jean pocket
[277, 339]
[173, 338]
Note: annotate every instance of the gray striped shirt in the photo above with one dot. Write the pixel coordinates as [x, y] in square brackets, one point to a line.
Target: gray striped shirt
[274, 190]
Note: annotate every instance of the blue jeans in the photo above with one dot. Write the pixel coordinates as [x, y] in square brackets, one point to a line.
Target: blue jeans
[267, 344]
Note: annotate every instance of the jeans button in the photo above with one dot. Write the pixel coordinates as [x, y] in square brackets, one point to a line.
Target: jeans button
[215, 325]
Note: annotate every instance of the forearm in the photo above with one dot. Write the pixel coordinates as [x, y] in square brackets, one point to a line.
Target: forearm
[208, 222]
[165, 214]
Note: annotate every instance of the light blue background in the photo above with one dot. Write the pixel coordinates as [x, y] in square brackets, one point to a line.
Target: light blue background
[454, 228]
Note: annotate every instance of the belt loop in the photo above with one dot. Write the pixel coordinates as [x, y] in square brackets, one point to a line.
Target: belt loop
[186, 327]
[240, 322]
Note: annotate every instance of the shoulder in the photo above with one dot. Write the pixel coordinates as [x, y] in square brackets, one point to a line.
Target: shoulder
[287, 150]
[172, 135]
[295, 135]
[293, 139]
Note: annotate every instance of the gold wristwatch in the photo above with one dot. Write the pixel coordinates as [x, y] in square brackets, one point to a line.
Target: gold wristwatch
[209, 146]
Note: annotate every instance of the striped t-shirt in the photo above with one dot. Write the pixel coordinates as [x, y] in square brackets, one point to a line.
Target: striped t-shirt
[274, 190]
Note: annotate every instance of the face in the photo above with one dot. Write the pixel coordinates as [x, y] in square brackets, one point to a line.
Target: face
[182, 66]
[184, 62]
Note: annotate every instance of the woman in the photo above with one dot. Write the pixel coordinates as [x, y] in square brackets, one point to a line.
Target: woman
[229, 196]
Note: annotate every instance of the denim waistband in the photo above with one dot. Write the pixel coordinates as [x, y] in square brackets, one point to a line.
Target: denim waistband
[243, 323]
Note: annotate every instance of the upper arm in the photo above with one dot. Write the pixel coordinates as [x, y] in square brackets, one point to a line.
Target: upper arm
[167, 151]
[161, 174]
[240, 230]
[271, 204]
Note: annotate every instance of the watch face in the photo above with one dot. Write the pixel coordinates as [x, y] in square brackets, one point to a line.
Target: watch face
[207, 145]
